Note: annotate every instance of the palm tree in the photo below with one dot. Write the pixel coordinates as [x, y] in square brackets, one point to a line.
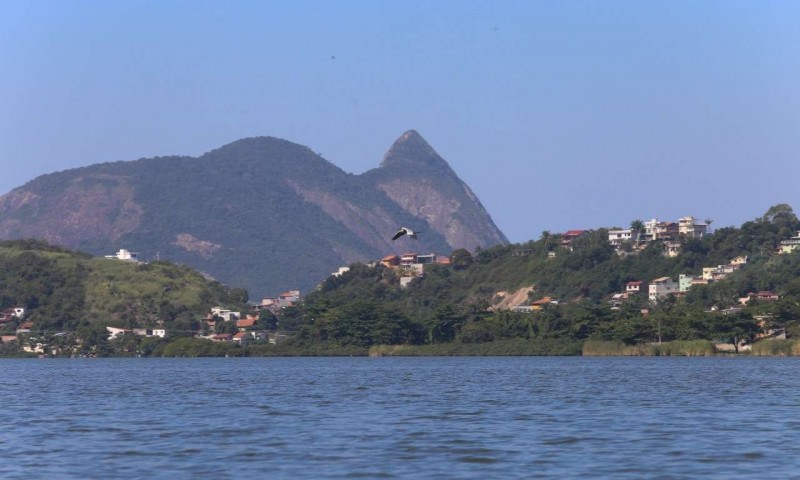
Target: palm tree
[636, 228]
[547, 240]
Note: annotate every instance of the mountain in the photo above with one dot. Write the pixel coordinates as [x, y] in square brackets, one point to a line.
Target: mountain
[261, 213]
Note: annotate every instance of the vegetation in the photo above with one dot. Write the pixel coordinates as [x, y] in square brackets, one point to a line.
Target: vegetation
[445, 312]
[66, 291]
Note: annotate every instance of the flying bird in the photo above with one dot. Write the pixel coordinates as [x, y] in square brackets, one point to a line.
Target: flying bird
[405, 231]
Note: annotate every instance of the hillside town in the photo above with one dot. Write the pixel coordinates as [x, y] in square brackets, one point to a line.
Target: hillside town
[260, 323]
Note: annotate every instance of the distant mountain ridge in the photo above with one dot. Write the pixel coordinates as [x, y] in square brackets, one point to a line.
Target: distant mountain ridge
[261, 213]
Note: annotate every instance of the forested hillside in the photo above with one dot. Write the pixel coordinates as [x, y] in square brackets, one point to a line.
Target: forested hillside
[450, 303]
[63, 290]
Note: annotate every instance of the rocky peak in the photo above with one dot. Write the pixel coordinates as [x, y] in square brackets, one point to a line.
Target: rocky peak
[412, 150]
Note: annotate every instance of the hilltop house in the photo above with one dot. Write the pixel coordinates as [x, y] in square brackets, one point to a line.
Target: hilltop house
[569, 236]
[687, 226]
[125, 255]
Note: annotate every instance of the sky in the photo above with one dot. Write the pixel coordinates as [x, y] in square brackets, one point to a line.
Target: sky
[558, 114]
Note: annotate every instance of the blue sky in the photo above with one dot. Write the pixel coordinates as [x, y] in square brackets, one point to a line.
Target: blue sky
[559, 115]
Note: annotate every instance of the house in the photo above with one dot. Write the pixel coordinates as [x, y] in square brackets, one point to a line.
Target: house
[225, 314]
[789, 245]
[247, 323]
[442, 260]
[241, 338]
[288, 298]
[655, 230]
[740, 261]
[8, 338]
[689, 227]
[150, 332]
[114, 332]
[222, 337]
[617, 299]
[390, 261]
[125, 255]
[408, 259]
[662, 287]
[672, 248]
[684, 282]
[762, 296]
[426, 259]
[616, 237]
[340, 272]
[569, 236]
[634, 287]
[541, 303]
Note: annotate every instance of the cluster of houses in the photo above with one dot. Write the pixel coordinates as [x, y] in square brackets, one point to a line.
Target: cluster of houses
[412, 265]
[652, 230]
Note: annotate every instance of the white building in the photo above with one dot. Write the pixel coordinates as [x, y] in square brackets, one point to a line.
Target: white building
[619, 236]
[225, 314]
[689, 227]
[126, 255]
[661, 287]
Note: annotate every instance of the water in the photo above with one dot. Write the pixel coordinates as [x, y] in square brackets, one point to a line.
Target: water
[401, 418]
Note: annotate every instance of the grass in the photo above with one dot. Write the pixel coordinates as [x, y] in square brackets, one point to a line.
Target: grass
[776, 348]
[511, 347]
[693, 348]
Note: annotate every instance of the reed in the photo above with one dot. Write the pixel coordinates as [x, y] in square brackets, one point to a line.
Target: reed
[776, 348]
[692, 348]
[498, 348]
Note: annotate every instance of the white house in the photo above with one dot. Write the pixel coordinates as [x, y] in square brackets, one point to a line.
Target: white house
[126, 255]
[790, 244]
[617, 237]
[661, 287]
[689, 227]
[225, 314]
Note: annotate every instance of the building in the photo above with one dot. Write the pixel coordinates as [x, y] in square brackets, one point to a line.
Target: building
[789, 245]
[569, 236]
[340, 272]
[634, 288]
[125, 255]
[655, 230]
[288, 298]
[617, 237]
[225, 314]
[689, 227]
[661, 288]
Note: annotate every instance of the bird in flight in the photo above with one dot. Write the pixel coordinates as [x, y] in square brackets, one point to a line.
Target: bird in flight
[405, 231]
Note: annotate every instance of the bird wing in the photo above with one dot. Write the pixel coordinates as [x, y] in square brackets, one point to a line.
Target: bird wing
[399, 234]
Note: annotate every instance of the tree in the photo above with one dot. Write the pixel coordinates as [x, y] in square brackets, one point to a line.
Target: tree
[461, 259]
[636, 229]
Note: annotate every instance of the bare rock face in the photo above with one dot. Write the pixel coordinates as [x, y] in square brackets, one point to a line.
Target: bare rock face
[415, 177]
[91, 207]
[260, 213]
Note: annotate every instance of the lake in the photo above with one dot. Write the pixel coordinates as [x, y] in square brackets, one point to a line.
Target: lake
[455, 417]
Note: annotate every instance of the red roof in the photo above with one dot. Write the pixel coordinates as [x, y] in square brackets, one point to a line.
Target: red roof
[388, 258]
[249, 322]
[633, 284]
[574, 233]
[240, 335]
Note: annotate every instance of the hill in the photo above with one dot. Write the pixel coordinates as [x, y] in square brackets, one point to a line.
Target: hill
[367, 306]
[262, 213]
[64, 290]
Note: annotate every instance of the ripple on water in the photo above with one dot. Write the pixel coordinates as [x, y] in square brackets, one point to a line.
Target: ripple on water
[398, 418]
